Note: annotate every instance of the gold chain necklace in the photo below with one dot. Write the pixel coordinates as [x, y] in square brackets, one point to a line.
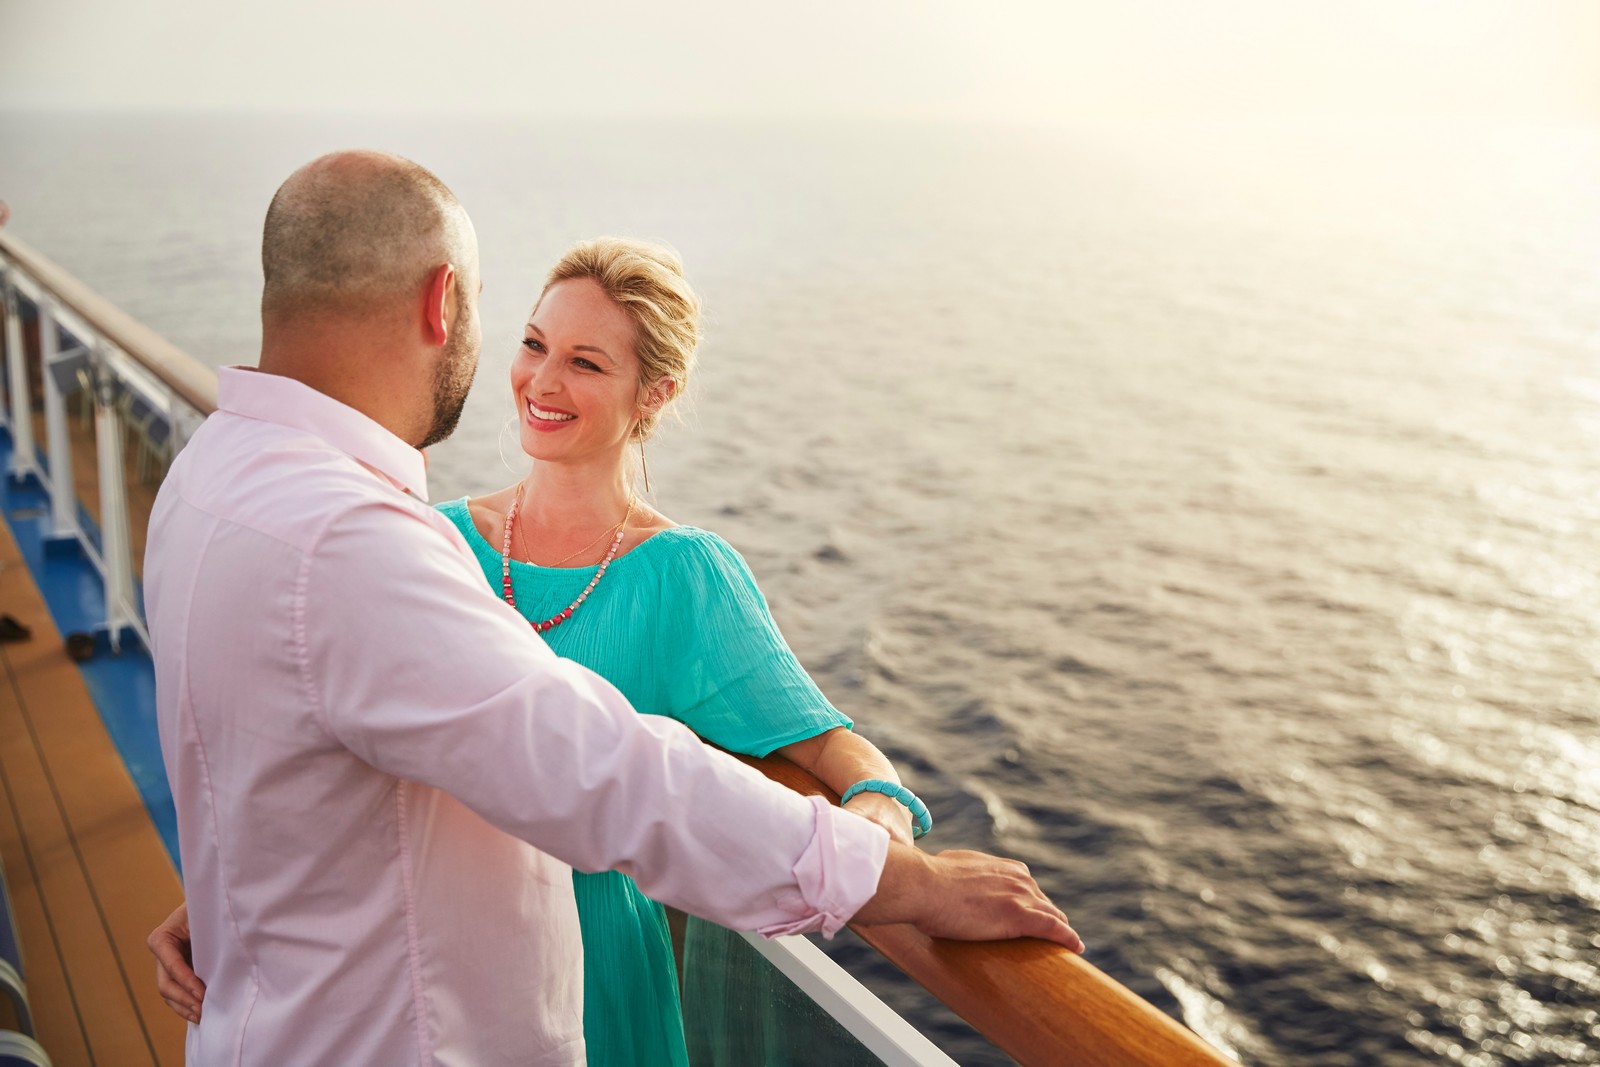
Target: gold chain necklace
[528, 555]
[566, 613]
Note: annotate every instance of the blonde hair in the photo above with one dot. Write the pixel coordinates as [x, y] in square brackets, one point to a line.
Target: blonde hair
[646, 281]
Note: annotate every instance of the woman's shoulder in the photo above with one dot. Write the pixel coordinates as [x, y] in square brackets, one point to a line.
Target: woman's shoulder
[696, 566]
[480, 513]
[457, 512]
[692, 546]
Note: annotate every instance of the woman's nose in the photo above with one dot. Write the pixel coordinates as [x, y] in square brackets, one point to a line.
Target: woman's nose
[546, 378]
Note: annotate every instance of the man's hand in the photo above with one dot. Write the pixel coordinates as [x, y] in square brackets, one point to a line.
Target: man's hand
[179, 986]
[966, 896]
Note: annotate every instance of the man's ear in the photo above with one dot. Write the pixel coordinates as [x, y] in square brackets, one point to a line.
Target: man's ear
[439, 304]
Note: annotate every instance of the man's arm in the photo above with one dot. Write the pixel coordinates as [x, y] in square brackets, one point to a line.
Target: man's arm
[420, 671]
[965, 896]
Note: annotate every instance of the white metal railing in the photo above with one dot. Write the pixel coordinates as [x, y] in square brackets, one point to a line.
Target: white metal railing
[80, 356]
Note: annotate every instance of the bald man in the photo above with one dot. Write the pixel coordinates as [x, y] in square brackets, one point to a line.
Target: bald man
[381, 773]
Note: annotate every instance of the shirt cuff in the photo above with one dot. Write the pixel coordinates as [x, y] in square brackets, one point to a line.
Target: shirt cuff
[837, 873]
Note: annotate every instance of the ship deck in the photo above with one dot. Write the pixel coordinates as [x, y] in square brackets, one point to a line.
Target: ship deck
[86, 866]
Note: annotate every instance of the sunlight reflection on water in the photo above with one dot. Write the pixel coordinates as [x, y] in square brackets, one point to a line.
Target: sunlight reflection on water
[1208, 518]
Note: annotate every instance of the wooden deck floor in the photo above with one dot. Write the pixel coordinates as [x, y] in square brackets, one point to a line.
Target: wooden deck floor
[88, 875]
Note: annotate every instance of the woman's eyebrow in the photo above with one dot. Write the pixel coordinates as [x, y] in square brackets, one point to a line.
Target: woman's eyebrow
[577, 348]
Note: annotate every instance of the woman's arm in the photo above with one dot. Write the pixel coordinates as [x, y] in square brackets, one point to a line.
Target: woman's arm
[748, 691]
[840, 758]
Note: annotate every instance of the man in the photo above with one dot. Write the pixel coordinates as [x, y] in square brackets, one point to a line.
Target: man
[380, 772]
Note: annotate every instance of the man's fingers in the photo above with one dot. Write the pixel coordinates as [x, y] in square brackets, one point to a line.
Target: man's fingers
[1048, 927]
[1037, 916]
[1051, 907]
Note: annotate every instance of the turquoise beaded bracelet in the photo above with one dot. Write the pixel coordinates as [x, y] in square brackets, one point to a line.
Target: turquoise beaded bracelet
[919, 810]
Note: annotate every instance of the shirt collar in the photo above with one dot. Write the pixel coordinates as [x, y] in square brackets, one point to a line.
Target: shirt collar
[273, 398]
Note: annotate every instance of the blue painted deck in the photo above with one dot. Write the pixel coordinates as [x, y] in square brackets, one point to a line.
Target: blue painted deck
[122, 686]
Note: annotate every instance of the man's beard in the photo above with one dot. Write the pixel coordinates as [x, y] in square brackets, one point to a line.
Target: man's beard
[450, 388]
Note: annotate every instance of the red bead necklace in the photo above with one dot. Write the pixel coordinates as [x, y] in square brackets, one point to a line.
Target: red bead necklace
[505, 564]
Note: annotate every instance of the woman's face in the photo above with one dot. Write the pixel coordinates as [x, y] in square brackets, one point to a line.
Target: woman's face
[575, 380]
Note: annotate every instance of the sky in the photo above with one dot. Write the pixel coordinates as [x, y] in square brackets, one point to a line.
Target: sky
[1033, 62]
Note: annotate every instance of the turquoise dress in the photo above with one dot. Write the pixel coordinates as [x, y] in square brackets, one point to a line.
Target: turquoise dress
[678, 626]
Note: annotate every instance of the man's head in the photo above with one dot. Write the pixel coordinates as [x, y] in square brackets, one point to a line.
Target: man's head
[376, 251]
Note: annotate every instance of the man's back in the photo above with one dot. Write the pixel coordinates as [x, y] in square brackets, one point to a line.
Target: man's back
[360, 739]
[320, 887]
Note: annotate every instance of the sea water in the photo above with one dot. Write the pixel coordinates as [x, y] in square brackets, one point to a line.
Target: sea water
[1208, 515]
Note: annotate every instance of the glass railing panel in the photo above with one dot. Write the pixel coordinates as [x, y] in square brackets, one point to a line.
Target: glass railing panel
[783, 1003]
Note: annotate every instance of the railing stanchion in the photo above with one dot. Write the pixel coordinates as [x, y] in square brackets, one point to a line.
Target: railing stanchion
[58, 439]
[114, 543]
[8, 313]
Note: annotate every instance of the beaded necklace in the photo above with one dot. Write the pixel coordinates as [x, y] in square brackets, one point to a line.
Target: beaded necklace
[566, 613]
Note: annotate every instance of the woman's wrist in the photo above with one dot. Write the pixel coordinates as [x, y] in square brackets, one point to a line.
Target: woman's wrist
[885, 812]
[921, 820]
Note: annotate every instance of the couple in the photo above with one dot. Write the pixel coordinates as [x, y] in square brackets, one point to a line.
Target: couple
[382, 775]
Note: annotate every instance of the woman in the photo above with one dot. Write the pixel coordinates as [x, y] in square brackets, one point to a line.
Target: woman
[668, 614]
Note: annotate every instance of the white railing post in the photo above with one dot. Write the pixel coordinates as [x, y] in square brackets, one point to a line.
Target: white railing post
[849, 1003]
[23, 462]
[7, 346]
[58, 439]
[114, 544]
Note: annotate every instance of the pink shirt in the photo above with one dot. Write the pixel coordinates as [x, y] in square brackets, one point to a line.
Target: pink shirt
[381, 773]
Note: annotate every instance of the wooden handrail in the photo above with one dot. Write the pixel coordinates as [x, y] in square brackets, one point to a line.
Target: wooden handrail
[1038, 1003]
[187, 377]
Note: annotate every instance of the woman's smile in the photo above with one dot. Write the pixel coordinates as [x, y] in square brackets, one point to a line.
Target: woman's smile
[547, 419]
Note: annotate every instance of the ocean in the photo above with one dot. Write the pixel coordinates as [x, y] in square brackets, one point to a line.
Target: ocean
[1207, 514]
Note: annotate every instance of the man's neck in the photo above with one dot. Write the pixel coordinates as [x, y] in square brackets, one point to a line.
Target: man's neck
[371, 378]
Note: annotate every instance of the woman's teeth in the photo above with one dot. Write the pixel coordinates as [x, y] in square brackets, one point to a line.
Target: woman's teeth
[549, 416]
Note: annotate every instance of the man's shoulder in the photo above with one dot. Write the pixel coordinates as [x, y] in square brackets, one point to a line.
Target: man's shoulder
[280, 481]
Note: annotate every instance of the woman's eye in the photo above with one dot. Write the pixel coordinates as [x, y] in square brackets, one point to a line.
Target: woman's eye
[533, 344]
[585, 364]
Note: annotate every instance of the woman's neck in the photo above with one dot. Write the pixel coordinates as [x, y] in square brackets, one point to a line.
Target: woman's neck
[561, 497]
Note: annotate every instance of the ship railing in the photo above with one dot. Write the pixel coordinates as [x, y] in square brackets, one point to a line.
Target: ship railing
[1033, 1000]
[139, 398]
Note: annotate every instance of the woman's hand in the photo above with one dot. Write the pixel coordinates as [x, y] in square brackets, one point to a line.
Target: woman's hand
[887, 812]
[179, 986]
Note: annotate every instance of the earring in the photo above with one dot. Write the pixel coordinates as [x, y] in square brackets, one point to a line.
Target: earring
[500, 441]
[644, 467]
